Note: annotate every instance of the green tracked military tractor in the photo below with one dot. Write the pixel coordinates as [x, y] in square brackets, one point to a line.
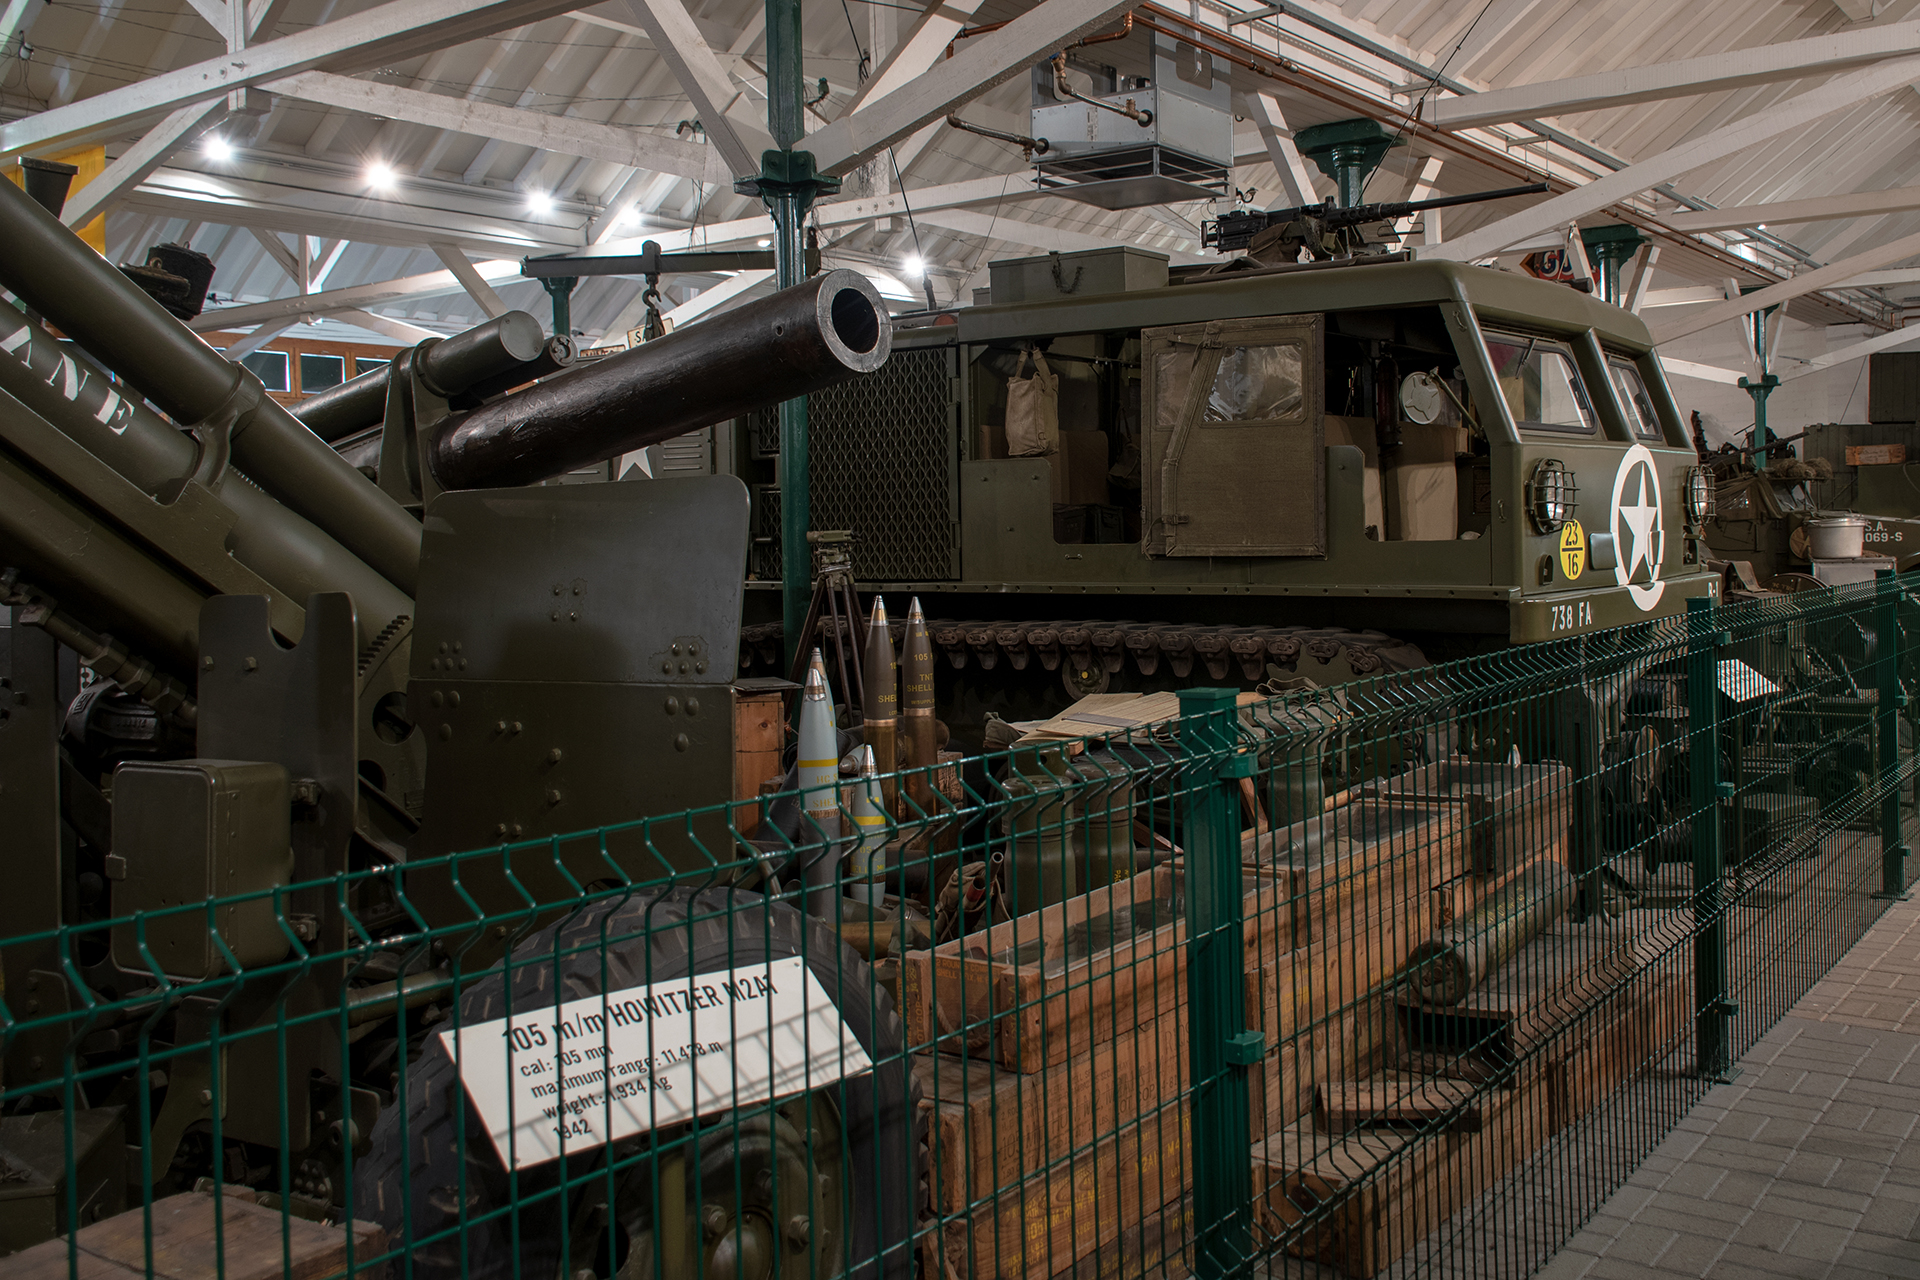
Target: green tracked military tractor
[1331, 467]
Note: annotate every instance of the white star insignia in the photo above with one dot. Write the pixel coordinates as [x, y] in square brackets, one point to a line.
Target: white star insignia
[1642, 521]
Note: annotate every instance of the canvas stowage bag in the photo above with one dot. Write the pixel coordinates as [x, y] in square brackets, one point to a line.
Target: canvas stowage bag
[1033, 410]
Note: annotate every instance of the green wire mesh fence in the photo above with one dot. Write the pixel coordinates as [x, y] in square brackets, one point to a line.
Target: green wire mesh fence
[1396, 978]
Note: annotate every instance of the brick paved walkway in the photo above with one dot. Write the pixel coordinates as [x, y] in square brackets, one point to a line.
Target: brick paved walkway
[1808, 1164]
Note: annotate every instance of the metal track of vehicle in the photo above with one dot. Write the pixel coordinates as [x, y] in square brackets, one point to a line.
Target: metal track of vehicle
[1107, 648]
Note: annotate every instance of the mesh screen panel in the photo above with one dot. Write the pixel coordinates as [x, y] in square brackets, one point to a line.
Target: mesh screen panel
[885, 454]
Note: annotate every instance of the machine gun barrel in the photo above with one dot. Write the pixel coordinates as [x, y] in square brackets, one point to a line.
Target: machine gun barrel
[800, 340]
[58, 275]
[1235, 230]
[1384, 210]
[448, 365]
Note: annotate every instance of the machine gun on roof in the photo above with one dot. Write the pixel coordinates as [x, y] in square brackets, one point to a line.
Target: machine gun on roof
[1327, 230]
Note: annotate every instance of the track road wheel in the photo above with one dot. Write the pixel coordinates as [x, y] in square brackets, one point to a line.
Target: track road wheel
[819, 1185]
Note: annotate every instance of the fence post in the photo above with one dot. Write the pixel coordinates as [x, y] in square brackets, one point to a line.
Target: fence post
[1893, 849]
[1713, 1008]
[1219, 1047]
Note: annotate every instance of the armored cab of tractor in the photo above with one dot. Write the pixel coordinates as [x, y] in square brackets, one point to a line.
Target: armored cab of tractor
[1331, 467]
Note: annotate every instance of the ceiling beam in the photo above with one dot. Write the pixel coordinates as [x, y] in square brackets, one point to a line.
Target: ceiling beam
[982, 63]
[1765, 64]
[313, 204]
[471, 280]
[565, 135]
[241, 348]
[1684, 296]
[1717, 144]
[1013, 187]
[1857, 204]
[1704, 372]
[1892, 339]
[718, 296]
[393, 31]
[14, 20]
[917, 54]
[398, 330]
[1035, 235]
[1885, 279]
[137, 163]
[353, 297]
[278, 251]
[1295, 178]
[1634, 291]
[1833, 275]
[695, 65]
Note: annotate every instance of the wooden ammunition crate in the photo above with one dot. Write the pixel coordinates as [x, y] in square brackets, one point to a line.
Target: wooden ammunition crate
[1382, 849]
[1022, 1000]
[1512, 810]
[1355, 1190]
[182, 1245]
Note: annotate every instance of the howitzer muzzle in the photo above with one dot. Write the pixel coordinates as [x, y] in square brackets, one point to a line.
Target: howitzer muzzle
[798, 341]
[60, 276]
[450, 366]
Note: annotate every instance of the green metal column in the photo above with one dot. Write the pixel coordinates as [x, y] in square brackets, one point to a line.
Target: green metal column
[1713, 1009]
[1348, 151]
[1609, 248]
[788, 185]
[560, 289]
[1890, 702]
[1762, 388]
[1219, 1046]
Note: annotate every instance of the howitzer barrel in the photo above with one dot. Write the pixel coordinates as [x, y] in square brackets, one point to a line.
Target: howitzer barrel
[57, 274]
[800, 340]
[284, 548]
[448, 365]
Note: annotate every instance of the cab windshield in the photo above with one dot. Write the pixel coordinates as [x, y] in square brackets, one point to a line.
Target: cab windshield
[1634, 399]
[1541, 383]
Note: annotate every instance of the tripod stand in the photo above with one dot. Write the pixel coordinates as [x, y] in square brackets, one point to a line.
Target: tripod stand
[834, 610]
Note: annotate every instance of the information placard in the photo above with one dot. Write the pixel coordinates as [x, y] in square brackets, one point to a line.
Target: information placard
[603, 1068]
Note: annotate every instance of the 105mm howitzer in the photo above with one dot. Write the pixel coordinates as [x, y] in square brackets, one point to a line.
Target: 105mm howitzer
[349, 674]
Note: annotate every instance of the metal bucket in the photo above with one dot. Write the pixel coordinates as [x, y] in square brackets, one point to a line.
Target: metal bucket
[1836, 537]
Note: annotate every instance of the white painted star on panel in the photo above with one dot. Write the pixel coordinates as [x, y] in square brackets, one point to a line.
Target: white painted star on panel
[1642, 520]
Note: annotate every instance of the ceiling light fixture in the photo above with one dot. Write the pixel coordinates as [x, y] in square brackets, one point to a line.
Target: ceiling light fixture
[380, 176]
[765, 244]
[218, 148]
[539, 203]
[916, 265]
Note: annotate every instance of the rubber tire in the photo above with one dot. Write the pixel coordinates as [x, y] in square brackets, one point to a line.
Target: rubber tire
[648, 940]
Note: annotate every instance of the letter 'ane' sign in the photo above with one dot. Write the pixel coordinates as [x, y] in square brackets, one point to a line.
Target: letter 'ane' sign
[607, 1067]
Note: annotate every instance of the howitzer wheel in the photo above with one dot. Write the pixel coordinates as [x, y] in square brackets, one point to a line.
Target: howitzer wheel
[822, 1184]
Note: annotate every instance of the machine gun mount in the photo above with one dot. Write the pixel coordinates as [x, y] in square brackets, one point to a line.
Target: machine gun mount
[1328, 230]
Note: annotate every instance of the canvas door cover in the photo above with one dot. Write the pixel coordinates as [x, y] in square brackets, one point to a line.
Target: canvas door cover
[1235, 447]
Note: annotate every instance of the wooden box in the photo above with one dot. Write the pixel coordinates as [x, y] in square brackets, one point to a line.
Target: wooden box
[183, 1245]
[1512, 810]
[1356, 1191]
[1034, 991]
[1329, 866]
